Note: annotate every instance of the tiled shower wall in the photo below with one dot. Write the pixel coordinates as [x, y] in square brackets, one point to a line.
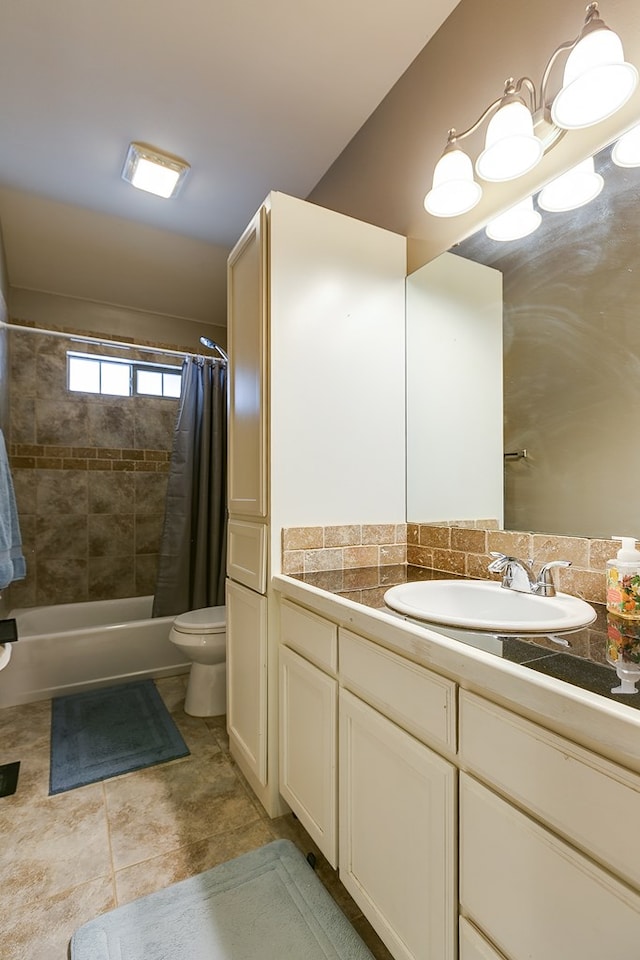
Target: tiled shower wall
[90, 475]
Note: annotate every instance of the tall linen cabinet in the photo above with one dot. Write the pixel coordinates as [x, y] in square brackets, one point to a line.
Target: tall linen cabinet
[316, 339]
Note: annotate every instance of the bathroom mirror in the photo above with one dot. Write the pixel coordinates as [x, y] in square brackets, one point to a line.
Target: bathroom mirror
[571, 365]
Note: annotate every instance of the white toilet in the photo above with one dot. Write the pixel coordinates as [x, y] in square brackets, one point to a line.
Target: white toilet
[201, 635]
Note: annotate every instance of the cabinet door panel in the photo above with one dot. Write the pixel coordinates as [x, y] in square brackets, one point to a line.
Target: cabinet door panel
[535, 896]
[308, 748]
[397, 837]
[473, 946]
[247, 677]
[247, 343]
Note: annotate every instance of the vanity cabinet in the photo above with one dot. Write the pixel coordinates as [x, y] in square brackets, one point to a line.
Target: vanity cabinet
[466, 831]
[308, 724]
[397, 833]
[532, 894]
[247, 677]
[548, 861]
[390, 825]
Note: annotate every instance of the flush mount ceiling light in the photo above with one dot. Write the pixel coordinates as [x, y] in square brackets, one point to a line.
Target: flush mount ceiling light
[523, 125]
[148, 169]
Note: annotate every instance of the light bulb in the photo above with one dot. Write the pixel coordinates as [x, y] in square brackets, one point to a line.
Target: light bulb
[454, 190]
[626, 152]
[519, 221]
[572, 189]
[511, 148]
[596, 83]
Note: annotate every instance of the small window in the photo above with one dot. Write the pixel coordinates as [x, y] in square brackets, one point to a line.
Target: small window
[122, 378]
[158, 382]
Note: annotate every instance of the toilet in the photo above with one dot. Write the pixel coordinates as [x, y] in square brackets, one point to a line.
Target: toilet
[201, 635]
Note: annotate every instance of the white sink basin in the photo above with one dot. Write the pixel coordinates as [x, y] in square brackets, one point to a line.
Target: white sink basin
[486, 605]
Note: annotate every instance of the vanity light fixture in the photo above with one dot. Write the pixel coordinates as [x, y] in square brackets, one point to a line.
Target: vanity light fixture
[572, 189]
[516, 222]
[523, 125]
[149, 169]
[626, 152]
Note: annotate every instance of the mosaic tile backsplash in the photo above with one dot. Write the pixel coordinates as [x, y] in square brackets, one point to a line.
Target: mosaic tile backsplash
[461, 548]
[90, 475]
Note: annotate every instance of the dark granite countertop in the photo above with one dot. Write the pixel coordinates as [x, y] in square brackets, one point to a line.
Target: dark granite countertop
[577, 657]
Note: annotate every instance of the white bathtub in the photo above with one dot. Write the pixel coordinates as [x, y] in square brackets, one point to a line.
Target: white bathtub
[75, 646]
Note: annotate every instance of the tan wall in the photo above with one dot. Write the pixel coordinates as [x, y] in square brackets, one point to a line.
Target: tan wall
[385, 171]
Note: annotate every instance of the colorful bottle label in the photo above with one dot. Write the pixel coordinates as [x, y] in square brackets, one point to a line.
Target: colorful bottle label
[623, 593]
[623, 640]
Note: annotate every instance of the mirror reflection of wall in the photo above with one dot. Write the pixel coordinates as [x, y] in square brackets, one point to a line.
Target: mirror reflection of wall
[571, 363]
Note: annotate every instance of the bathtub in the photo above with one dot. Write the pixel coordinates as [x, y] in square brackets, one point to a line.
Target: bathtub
[76, 646]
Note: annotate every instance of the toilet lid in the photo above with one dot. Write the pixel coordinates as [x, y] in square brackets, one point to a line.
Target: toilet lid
[206, 620]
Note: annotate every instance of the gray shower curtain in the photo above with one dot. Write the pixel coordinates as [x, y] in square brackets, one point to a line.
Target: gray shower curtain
[191, 568]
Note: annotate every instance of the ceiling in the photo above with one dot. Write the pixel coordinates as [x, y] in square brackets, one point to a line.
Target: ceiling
[255, 96]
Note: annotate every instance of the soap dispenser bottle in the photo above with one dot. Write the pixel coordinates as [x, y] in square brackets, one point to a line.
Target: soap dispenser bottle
[623, 580]
[623, 615]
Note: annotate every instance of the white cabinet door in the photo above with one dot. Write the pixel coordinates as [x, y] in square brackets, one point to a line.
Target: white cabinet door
[247, 678]
[397, 833]
[247, 343]
[534, 896]
[308, 748]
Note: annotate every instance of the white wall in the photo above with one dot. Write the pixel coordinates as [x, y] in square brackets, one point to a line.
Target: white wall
[454, 392]
[336, 369]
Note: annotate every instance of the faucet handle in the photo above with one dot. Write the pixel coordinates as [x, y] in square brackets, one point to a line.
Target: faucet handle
[499, 563]
[546, 586]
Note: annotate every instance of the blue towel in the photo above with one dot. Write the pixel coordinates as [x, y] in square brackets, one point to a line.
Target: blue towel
[12, 563]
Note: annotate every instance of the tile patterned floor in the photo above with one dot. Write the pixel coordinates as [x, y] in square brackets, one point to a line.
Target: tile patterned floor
[65, 859]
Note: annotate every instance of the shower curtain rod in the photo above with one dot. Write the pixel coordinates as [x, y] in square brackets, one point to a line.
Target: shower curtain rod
[82, 338]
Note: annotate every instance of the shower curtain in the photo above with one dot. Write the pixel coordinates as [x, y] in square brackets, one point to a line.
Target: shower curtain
[191, 567]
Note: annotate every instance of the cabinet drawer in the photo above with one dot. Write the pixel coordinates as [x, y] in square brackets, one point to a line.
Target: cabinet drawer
[415, 698]
[311, 635]
[247, 554]
[532, 894]
[589, 800]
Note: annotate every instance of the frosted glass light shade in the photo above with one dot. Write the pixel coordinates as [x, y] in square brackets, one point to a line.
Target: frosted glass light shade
[155, 172]
[596, 83]
[454, 190]
[511, 148]
[572, 189]
[519, 221]
[626, 152]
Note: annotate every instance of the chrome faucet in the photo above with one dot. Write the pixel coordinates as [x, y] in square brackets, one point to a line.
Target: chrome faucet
[518, 574]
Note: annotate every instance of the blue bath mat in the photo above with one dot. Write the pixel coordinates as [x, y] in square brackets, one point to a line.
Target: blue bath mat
[106, 732]
[264, 905]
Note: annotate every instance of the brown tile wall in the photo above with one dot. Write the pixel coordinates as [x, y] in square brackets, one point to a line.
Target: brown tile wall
[90, 475]
[309, 549]
[457, 548]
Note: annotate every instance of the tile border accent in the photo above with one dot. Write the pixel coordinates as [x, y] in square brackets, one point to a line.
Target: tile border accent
[35, 456]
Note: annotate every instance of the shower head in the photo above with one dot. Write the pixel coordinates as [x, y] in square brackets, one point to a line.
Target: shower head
[212, 345]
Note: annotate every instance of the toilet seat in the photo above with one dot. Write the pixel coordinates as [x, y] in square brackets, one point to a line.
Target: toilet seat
[205, 620]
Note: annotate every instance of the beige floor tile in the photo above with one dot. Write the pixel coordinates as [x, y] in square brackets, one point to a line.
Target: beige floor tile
[186, 861]
[51, 843]
[24, 731]
[63, 858]
[168, 806]
[42, 930]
